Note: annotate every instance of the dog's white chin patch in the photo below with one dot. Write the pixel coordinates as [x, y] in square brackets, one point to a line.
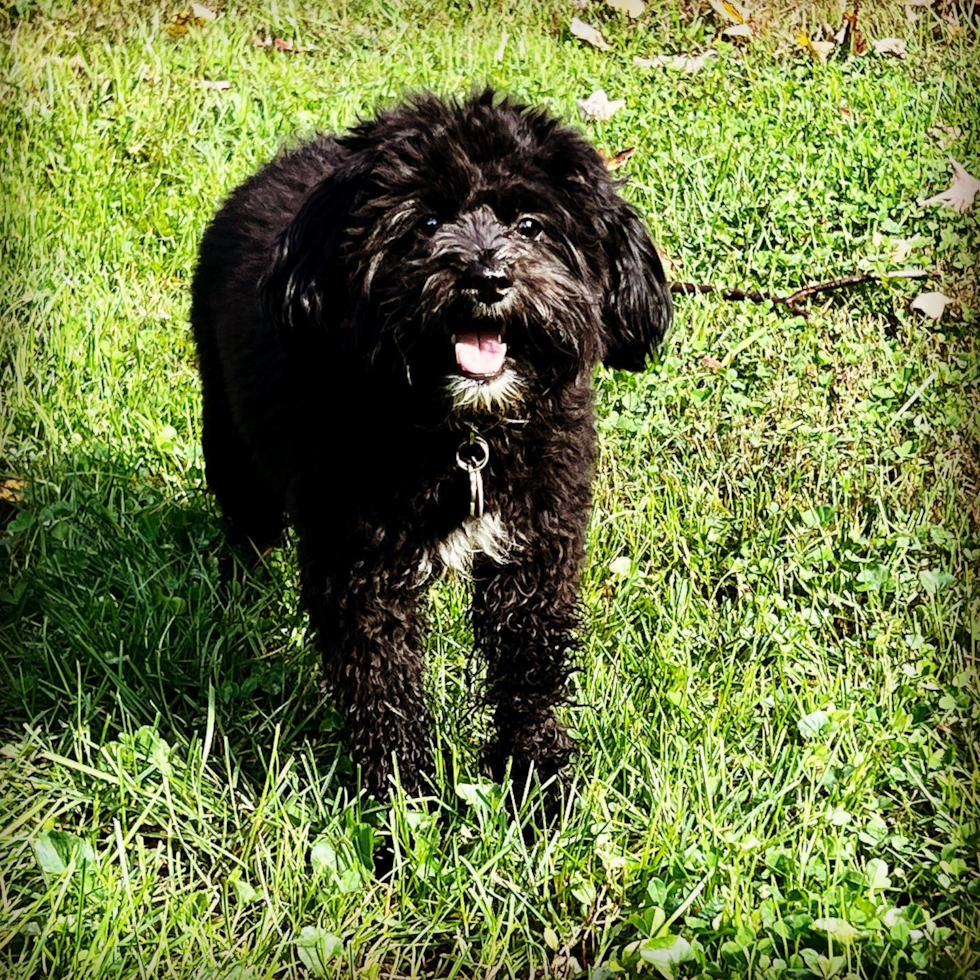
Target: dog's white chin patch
[505, 390]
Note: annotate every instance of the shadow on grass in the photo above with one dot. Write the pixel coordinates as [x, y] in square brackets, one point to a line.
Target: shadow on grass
[115, 615]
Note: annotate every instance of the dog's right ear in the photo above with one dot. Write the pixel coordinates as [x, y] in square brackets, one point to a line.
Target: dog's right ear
[304, 279]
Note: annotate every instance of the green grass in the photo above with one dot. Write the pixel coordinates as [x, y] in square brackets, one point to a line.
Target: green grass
[777, 701]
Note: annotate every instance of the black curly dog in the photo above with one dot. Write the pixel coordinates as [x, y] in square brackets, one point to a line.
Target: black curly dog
[380, 314]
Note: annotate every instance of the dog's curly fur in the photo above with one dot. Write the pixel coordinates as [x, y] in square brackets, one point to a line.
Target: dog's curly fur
[325, 303]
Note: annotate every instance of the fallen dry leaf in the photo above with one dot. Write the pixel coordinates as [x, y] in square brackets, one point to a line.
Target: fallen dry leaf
[678, 62]
[179, 24]
[730, 11]
[12, 490]
[894, 46]
[932, 305]
[738, 32]
[616, 160]
[197, 15]
[960, 193]
[819, 49]
[632, 8]
[945, 135]
[910, 14]
[598, 107]
[202, 14]
[220, 85]
[586, 32]
[852, 35]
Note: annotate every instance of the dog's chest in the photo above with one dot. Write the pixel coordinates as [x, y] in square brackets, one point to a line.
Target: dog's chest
[486, 535]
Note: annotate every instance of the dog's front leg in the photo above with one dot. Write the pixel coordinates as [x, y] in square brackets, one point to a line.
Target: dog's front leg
[364, 608]
[525, 622]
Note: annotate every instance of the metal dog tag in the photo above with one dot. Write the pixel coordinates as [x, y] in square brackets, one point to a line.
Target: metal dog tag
[471, 457]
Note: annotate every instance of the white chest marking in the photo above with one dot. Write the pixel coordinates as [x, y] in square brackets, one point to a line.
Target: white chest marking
[484, 535]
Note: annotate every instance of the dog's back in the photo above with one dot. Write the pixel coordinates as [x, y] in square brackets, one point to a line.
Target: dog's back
[241, 354]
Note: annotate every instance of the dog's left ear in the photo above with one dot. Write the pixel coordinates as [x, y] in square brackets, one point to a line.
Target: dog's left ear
[637, 309]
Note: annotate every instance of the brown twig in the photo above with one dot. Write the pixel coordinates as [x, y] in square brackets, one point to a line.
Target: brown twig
[794, 300]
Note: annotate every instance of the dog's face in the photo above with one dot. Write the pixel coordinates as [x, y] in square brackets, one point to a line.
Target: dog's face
[482, 252]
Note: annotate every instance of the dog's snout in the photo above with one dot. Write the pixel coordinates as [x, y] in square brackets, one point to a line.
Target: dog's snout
[487, 281]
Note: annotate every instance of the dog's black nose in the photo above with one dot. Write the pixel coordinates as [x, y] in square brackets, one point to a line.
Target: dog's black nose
[487, 282]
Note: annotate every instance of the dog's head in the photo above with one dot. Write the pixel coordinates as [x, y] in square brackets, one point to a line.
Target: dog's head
[478, 250]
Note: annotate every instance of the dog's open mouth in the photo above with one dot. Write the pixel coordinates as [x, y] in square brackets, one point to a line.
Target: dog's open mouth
[480, 353]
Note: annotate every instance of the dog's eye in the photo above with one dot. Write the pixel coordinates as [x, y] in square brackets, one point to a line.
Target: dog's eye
[428, 225]
[529, 227]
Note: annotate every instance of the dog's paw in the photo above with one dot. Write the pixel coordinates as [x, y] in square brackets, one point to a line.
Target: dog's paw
[541, 750]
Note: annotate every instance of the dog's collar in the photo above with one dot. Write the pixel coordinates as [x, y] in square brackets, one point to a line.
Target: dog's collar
[471, 456]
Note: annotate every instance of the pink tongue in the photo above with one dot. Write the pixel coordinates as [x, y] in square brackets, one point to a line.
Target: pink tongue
[480, 354]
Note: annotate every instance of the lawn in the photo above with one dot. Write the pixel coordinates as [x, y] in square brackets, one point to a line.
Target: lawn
[777, 702]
